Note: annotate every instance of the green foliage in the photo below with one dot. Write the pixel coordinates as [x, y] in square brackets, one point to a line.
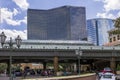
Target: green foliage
[61, 66]
[16, 67]
[3, 67]
[117, 26]
[118, 67]
[49, 64]
[115, 31]
[117, 23]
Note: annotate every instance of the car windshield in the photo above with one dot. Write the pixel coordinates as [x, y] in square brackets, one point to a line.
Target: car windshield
[107, 69]
[107, 76]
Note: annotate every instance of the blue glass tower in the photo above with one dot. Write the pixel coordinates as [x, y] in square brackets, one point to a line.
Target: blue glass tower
[63, 23]
[98, 30]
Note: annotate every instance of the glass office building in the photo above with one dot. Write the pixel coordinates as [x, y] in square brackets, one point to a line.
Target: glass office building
[63, 23]
[98, 30]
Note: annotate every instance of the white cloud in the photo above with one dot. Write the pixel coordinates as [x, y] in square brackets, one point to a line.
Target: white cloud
[97, 0]
[109, 5]
[24, 20]
[23, 4]
[7, 16]
[105, 15]
[14, 33]
[15, 12]
[118, 14]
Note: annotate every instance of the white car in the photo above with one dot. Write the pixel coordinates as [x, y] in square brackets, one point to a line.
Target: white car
[108, 76]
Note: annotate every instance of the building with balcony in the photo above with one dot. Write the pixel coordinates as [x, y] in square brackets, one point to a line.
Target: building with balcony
[114, 38]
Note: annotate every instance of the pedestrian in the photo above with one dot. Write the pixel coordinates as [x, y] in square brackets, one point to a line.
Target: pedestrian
[25, 74]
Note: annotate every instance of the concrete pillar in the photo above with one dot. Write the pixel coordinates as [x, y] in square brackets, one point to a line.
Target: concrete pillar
[56, 64]
[75, 67]
[71, 67]
[8, 68]
[113, 63]
[10, 73]
[44, 65]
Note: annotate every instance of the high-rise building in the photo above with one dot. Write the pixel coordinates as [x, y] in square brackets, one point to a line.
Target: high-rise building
[63, 23]
[98, 30]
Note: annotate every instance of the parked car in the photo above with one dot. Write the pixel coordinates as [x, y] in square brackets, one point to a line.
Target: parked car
[18, 73]
[108, 76]
[32, 72]
[105, 70]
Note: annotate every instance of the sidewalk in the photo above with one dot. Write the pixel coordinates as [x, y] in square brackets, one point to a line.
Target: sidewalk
[53, 78]
[7, 78]
[83, 77]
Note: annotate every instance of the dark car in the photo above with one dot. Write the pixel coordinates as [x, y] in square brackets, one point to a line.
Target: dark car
[18, 73]
[32, 72]
[39, 71]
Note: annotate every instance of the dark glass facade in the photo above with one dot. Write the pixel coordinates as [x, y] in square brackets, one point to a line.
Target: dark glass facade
[98, 30]
[63, 23]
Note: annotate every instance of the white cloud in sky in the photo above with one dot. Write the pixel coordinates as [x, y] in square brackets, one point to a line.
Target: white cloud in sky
[15, 12]
[24, 20]
[105, 15]
[109, 5]
[14, 33]
[7, 16]
[97, 0]
[118, 14]
[23, 4]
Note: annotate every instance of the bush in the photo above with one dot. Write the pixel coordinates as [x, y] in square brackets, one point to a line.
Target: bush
[3, 67]
[118, 67]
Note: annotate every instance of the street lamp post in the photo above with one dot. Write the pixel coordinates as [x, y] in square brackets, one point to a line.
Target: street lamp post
[79, 53]
[10, 61]
[18, 43]
[2, 38]
[11, 43]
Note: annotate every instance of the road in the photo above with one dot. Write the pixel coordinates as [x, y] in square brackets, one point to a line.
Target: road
[7, 78]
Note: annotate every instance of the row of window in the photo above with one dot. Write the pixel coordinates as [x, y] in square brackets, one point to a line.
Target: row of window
[114, 38]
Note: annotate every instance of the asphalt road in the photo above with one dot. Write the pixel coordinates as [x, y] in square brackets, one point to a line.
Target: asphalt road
[7, 78]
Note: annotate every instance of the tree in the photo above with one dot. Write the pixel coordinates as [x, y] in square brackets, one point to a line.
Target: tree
[118, 67]
[117, 23]
[3, 67]
[117, 27]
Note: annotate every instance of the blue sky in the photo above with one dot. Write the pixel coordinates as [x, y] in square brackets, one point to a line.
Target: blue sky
[13, 20]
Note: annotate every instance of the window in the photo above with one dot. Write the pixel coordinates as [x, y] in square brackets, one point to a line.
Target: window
[114, 39]
[110, 39]
[118, 37]
[107, 76]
